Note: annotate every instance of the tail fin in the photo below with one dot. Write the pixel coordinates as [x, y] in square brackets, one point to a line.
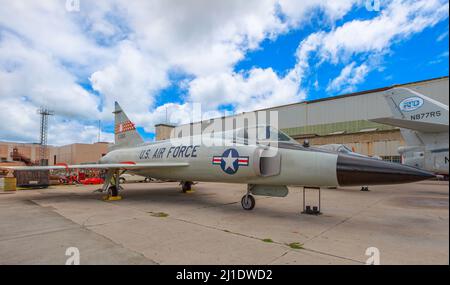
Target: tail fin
[415, 111]
[125, 134]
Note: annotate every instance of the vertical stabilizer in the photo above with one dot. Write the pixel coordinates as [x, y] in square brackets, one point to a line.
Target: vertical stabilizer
[125, 133]
[415, 111]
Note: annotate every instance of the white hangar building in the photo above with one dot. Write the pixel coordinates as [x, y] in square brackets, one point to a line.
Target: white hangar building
[344, 119]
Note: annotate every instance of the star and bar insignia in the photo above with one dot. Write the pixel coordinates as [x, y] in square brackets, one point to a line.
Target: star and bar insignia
[230, 161]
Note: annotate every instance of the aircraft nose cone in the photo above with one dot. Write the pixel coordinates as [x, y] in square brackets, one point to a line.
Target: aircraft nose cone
[360, 171]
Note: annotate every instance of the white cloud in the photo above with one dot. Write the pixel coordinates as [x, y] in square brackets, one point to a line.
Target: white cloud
[180, 35]
[298, 12]
[41, 79]
[442, 36]
[439, 58]
[132, 79]
[350, 76]
[49, 28]
[21, 123]
[20, 120]
[201, 37]
[370, 38]
[75, 131]
[42, 52]
[258, 88]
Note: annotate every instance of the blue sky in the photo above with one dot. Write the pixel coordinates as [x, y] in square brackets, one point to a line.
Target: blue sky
[157, 58]
[419, 57]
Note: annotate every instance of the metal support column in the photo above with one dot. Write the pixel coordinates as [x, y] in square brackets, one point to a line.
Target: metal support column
[314, 210]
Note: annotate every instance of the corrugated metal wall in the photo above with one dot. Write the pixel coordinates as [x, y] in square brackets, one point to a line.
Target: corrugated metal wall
[349, 108]
[353, 108]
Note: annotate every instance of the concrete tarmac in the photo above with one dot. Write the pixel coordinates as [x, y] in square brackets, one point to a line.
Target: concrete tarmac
[157, 224]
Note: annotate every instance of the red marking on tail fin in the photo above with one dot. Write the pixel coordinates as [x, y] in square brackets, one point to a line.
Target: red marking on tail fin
[124, 127]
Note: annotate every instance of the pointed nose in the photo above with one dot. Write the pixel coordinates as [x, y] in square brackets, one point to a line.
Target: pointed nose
[355, 170]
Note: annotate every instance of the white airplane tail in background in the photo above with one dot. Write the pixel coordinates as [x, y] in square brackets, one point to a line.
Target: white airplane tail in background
[415, 111]
[125, 133]
[424, 127]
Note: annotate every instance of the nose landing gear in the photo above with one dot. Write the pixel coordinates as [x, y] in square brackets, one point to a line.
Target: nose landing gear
[248, 202]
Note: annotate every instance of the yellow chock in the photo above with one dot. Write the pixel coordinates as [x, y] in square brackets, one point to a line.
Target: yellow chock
[112, 198]
[189, 191]
[8, 184]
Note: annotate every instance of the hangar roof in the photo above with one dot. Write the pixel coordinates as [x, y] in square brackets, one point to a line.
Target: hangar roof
[364, 92]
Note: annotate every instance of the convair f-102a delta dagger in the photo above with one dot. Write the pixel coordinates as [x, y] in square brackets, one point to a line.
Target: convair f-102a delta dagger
[267, 165]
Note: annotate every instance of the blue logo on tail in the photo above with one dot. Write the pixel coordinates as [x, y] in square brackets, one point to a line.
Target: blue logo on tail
[411, 104]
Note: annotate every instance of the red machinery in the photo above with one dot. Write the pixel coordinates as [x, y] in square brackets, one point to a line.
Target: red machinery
[92, 181]
[69, 179]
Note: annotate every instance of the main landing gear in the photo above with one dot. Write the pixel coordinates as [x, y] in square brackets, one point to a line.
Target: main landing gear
[248, 201]
[186, 186]
[113, 191]
[112, 186]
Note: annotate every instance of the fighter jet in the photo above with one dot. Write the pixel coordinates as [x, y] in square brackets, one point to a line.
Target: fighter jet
[424, 127]
[267, 164]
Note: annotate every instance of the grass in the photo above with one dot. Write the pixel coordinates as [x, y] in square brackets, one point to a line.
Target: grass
[296, 245]
[159, 214]
[267, 240]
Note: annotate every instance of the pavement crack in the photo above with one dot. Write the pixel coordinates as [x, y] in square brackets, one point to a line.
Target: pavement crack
[40, 233]
[346, 219]
[278, 257]
[273, 243]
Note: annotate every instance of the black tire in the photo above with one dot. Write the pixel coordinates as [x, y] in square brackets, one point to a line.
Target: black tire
[146, 180]
[186, 186]
[248, 202]
[113, 191]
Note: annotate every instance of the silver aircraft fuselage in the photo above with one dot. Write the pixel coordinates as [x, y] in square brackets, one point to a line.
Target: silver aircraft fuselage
[287, 163]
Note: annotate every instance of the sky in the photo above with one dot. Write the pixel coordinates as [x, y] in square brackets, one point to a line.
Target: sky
[158, 58]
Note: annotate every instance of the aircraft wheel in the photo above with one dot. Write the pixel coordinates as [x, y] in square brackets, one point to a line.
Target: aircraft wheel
[248, 202]
[113, 191]
[186, 186]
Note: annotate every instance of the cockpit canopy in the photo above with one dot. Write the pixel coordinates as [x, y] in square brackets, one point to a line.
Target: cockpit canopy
[258, 134]
[342, 148]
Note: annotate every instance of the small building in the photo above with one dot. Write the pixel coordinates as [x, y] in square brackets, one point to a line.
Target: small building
[28, 153]
[78, 153]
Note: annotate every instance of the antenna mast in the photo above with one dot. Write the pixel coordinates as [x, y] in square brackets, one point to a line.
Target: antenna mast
[44, 112]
